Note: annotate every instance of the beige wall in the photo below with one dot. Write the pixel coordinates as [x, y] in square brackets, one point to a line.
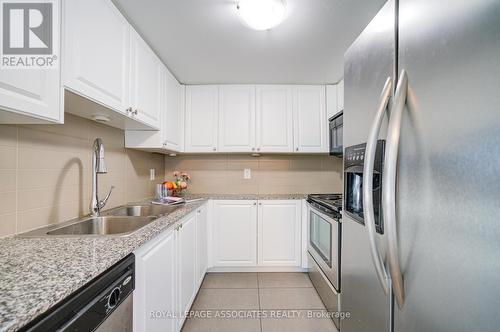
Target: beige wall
[45, 172]
[274, 174]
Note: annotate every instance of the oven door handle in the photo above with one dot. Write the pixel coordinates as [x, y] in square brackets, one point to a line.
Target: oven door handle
[371, 147]
[389, 187]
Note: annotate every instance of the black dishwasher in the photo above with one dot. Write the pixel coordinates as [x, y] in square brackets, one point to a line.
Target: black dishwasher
[105, 302]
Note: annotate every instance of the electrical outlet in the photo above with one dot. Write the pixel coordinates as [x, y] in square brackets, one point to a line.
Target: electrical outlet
[152, 174]
[247, 173]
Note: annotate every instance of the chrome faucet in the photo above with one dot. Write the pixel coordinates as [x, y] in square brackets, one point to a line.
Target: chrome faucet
[98, 167]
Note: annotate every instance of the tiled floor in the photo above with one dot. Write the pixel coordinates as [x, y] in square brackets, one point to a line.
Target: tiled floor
[257, 302]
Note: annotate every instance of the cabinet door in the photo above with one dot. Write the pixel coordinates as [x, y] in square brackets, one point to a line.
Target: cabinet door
[155, 285]
[235, 233]
[32, 95]
[202, 107]
[172, 114]
[201, 243]
[340, 96]
[310, 119]
[279, 233]
[146, 81]
[97, 52]
[186, 243]
[274, 119]
[331, 101]
[236, 118]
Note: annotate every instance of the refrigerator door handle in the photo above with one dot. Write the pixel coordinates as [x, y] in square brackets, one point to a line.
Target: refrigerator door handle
[389, 187]
[371, 147]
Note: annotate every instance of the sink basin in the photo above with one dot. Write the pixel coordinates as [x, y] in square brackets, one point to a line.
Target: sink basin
[142, 210]
[107, 225]
[89, 226]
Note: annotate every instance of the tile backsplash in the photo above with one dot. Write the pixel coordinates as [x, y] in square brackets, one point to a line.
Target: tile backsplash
[271, 174]
[45, 172]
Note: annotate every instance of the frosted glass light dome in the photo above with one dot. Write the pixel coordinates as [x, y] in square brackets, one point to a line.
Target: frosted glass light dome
[262, 14]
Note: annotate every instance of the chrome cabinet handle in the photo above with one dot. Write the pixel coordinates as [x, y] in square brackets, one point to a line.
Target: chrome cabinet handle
[258, 149]
[297, 149]
[254, 203]
[129, 110]
[135, 112]
[253, 149]
[214, 149]
[371, 147]
[389, 186]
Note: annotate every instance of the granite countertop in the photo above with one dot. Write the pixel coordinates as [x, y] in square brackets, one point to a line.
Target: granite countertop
[37, 273]
[248, 196]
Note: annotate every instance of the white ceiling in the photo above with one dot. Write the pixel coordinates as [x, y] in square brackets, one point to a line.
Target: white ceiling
[203, 41]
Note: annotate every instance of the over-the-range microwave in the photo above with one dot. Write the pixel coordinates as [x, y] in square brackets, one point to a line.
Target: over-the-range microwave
[336, 132]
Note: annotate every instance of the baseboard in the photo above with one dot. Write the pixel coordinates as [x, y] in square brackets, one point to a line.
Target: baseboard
[258, 269]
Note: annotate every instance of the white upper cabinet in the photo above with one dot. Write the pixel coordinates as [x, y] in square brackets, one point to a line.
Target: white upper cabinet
[146, 82]
[310, 119]
[340, 96]
[173, 114]
[274, 118]
[331, 101]
[279, 233]
[31, 96]
[97, 52]
[236, 118]
[201, 127]
[234, 233]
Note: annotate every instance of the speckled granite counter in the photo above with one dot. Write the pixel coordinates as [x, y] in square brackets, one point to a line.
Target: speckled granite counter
[37, 273]
[248, 196]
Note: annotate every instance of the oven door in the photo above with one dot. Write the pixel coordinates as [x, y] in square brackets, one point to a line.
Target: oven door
[324, 244]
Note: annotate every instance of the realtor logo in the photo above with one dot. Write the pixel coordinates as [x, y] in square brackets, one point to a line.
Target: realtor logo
[29, 36]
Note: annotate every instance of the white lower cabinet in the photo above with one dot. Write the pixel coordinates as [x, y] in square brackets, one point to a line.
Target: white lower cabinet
[201, 243]
[155, 285]
[166, 275]
[264, 233]
[186, 244]
[235, 233]
[279, 233]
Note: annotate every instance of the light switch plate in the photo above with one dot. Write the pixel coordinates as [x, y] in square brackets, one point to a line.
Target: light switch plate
[152, 174]
[247, 173]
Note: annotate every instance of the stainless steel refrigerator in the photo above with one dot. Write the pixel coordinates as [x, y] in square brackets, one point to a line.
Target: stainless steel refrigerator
[425, 77]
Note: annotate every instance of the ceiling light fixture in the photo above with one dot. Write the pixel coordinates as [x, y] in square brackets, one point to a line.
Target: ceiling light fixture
[261, 14]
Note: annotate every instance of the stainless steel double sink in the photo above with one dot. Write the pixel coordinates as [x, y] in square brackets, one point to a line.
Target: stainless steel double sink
[119, 221]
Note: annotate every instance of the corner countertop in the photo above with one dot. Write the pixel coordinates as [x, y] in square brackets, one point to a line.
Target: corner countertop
[38, 273]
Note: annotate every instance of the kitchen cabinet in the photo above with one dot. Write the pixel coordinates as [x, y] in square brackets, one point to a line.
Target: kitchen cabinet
[234, 233]
[108, 70]
[167, 277]
[97, 53]
[201, 126]
[146, 82]
[173, 115]
[171, 134]
[310, 119]
[340, 96]
[331, 101]
[274, 118]
[236, 118]
[201, 244]
[279, 233]
[186, 246]
[32, 96]
[155, 288]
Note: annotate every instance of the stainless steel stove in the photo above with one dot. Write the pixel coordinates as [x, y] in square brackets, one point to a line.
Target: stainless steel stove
[324, 247]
